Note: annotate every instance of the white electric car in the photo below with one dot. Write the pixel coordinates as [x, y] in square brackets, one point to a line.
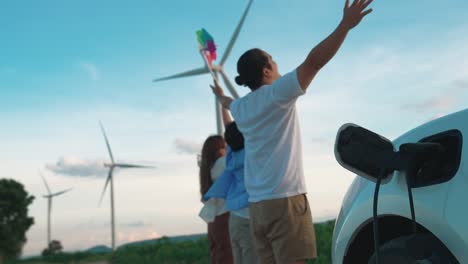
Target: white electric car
[431, 159]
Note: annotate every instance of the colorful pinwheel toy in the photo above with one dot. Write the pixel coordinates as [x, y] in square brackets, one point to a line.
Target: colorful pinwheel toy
[207, 46]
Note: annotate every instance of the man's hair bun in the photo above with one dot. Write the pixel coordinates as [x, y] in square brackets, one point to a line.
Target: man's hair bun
[239, 80]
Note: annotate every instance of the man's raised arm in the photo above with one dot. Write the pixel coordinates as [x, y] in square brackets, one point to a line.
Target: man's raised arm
[227, 119]
[324, 52]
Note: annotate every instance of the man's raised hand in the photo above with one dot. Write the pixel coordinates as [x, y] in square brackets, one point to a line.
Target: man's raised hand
[354, 13]
[218, 91]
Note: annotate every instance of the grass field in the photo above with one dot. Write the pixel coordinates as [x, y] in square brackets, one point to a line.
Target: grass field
[167, 251]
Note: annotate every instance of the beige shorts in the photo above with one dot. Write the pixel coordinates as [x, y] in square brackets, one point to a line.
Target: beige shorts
[283, 230]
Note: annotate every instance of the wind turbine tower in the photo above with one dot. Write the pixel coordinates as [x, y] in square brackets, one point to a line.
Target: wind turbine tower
[49, 196]
[110, 179]
[217, 69]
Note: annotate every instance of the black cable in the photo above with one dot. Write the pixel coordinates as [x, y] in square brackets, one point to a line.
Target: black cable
[410, 197]
[374, 217]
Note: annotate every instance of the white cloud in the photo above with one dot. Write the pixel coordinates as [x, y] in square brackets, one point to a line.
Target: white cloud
[462, 84]
[136, 224]
[91, 69]
[186, 146]
[73, 166]
[436, 103]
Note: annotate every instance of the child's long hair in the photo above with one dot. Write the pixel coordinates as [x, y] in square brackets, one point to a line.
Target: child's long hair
[209, 155]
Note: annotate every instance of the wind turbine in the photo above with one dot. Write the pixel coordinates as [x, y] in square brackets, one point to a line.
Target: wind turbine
[110, 179]
[217, 69]
[49, 197]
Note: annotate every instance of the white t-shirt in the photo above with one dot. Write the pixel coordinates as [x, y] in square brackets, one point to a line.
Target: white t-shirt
[273, 153]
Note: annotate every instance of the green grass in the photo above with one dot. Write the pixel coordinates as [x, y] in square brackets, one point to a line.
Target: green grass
[324, 235]
[165, 251]
[71, 258]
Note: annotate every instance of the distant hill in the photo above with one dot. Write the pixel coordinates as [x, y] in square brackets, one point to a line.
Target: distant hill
[99, 249]
[174, 239]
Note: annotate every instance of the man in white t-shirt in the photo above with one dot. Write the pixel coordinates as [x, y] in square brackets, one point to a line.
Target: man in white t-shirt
[281, 220]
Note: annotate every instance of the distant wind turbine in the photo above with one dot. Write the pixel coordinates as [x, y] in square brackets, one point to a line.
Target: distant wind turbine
[216, 69]
[110, 179]
[49, 197]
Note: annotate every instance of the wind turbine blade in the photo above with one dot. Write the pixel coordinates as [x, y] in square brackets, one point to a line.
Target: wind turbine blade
[236, 33]
[193, 72]
[62, 192]
[107, 142]
[125, 166]
[45, 183]
[109, 176]
[229, 85]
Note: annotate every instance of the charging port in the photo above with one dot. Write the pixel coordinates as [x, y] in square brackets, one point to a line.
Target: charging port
[440, 168]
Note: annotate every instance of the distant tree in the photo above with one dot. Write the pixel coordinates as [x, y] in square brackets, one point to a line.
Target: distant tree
[14, 219]
[55, 247]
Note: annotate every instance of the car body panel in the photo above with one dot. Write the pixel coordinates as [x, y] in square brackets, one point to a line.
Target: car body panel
[440, 208]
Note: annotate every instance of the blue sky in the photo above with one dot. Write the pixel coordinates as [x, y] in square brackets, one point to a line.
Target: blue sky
[64, 65]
